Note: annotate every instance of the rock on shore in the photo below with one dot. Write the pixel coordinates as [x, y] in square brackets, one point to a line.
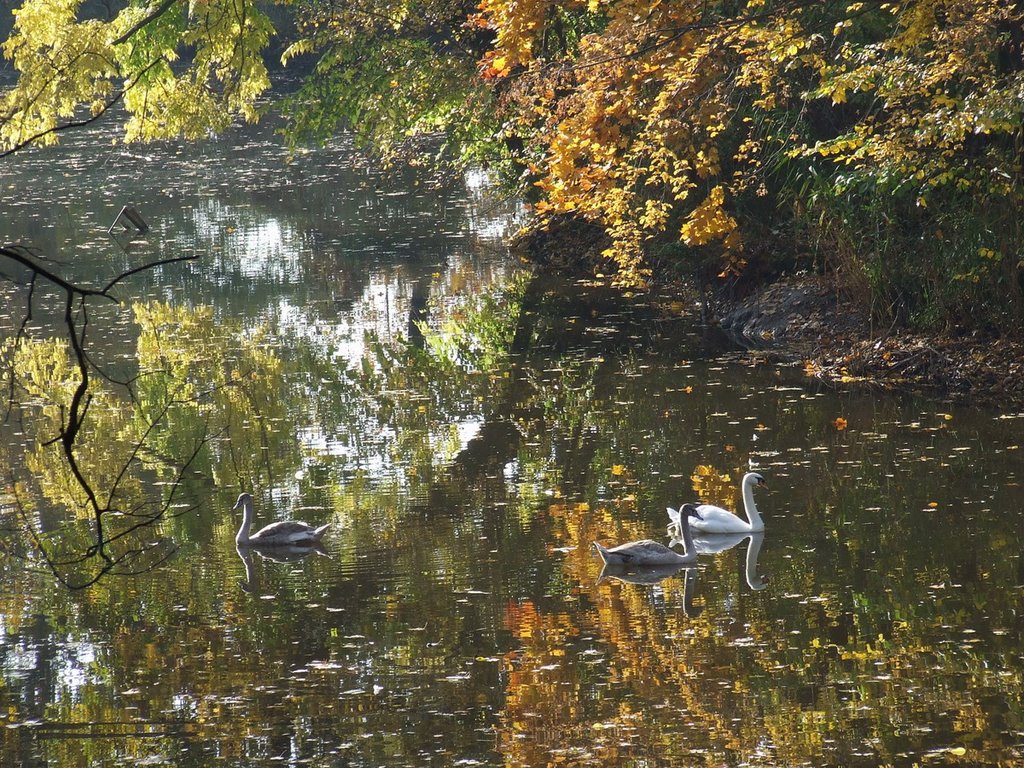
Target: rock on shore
[806, 317]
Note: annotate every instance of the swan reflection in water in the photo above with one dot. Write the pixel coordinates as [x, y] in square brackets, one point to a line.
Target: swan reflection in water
[648, 575]
[713, 543]
[277, 554]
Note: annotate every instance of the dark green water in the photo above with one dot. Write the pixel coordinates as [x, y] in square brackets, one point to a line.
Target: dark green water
[360, 350]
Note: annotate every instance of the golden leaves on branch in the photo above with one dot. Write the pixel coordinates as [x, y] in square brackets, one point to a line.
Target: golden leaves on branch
[633, 128]
[656, 118]
[939, 85]
[708, 221]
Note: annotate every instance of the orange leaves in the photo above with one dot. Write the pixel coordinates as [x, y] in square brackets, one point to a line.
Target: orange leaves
[628, 115]
[518, 27]
[493, 66]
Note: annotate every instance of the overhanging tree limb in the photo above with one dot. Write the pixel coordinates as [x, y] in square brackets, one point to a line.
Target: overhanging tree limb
[154, 14]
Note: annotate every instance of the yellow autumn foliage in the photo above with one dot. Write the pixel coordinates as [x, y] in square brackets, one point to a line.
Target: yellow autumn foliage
[661, 117]
[689, 131]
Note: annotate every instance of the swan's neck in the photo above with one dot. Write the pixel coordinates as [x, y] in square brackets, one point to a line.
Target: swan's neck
[684, 524]
[750, 507]
[753, 550]
[689, 588]
[242, 537]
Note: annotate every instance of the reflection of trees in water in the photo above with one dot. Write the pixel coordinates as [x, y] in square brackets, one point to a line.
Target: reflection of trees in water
[592, 673]
[202, 399]
[58, 376]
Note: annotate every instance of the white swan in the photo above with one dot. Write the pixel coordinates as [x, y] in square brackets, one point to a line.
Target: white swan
[282, 533]
[648, 552]
[713, 519]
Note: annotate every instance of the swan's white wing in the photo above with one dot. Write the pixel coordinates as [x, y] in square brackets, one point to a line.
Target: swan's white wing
[717, 520]
[713, 510]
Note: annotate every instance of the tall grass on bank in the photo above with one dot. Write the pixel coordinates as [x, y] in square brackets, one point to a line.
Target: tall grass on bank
[954, 264]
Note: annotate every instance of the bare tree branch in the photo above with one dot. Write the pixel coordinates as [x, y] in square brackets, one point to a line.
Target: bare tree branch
[73, 415]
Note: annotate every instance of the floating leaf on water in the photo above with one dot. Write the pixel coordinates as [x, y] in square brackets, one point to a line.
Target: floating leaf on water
[325, 665]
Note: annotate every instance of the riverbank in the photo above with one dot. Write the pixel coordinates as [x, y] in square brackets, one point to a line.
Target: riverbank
[806, 319]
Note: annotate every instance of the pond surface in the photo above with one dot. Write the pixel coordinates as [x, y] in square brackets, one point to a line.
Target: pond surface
[358, 349]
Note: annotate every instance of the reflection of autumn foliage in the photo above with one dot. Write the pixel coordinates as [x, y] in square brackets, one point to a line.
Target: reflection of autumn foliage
[713, 487]
[46, 373]
[551, 716]
[197, 378]
[627, 675]
[536, 663]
